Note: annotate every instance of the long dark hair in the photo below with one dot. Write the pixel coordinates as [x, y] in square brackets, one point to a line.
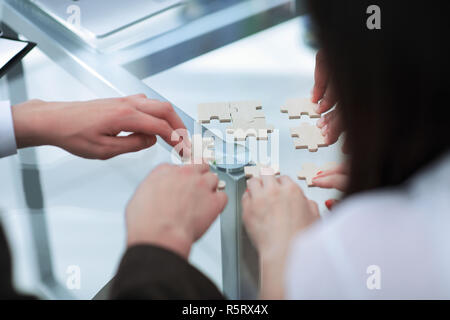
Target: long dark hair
[390, 84]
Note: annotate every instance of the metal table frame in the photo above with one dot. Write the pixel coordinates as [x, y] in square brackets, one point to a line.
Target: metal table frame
[108, 77]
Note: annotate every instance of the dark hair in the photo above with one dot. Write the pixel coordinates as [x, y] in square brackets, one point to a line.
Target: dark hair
[390, 84]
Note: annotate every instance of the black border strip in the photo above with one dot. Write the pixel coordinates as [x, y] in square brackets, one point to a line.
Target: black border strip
[18, 57]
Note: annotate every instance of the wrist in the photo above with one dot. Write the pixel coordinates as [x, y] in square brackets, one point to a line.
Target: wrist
[272, 277]
[171, 240]
[273, 251]
[30, 125]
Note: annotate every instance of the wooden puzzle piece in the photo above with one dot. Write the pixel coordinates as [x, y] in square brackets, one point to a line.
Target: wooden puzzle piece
[214, 110]
[202, 150]
[246, 110]
[310, 170]
[258, 128]
[247, 118]
[261, 170]
[221, 186]
[295, 108]
[308, 136]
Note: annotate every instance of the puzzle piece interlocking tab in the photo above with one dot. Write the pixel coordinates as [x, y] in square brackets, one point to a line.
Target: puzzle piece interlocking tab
[308, 136]
[259, 170]
[247, 118]
[242, 129]
[310, 170]
[214, 110]
[295, 108]
[202, 150]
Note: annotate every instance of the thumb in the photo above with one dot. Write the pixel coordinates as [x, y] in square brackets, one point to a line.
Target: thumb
[132, 143]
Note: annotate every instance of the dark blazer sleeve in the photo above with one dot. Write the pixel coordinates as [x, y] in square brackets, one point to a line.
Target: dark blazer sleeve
[7, 291]
[151, 272]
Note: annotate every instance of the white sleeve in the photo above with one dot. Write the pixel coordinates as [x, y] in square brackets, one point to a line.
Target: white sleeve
[7, 139]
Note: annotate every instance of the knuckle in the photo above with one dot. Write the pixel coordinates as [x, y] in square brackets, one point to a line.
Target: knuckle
[124, 110]
[167, 108]
[141, 96]
[166, 125]
[125, 100]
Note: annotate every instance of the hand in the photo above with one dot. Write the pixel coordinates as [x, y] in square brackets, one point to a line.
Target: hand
[174, 206]
[90, 129]
[336, 178]
[274, 210]
[324, 92]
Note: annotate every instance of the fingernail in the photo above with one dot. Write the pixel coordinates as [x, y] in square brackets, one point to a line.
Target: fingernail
[329, 203]
[175, 136]
[319, 173]
[317, 108]
[320, 122]
[324, 130]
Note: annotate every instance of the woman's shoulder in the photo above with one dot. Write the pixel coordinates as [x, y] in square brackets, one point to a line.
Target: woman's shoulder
[363, 210]
[379, 228]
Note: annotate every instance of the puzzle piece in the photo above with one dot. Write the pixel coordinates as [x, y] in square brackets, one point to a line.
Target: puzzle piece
[247, 118]
[308, 136]
[202, 149]
[295, 108]
[258, 128]
[246, 110]
[214, 110]
[310, 170]
[221, 186]
[261, 170]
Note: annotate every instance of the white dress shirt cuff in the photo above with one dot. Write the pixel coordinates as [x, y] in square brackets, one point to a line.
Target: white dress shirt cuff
[7, 139]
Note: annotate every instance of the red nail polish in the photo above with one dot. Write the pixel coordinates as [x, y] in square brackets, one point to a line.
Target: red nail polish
[329, 204]
[319, 173]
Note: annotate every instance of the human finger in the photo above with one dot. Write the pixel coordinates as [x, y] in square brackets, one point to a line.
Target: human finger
[254, 186]
[162, 110]
[320, 78]
[334, 181]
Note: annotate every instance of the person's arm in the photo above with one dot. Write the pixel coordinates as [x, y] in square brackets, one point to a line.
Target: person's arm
[172, 208]
[274, 210]
[325, 95]
[152, 272]
[91, 129]
[7, 291]
[7, 140]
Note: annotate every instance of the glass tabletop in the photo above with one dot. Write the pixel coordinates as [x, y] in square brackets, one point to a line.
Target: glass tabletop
[271, 67]
[84, 200]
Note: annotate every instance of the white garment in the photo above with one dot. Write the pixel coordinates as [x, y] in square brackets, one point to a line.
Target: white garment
[9, 49]
[404, 232]
[7, 139]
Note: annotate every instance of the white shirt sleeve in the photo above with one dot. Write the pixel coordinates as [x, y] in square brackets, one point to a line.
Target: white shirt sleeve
[7, 139]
